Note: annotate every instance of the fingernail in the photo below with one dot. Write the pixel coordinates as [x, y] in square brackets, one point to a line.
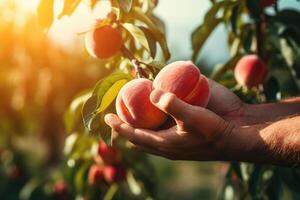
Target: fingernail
[107, 119]
[156, 95]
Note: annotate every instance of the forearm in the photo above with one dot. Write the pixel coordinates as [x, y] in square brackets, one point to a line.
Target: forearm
[261, 113]
[274, 143]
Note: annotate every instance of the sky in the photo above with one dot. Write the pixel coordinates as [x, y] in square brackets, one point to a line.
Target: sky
[181, 18]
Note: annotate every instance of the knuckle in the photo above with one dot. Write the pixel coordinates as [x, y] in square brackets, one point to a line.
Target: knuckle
[169, 100]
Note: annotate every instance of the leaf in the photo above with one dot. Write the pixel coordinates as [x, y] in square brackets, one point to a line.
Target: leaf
[45, 13]
[125, 5]
[69, 7]
[111, 94]
[103, 95]
[88, 110]
[134, 186]
[288, 17]
[72, 115]
[138, 34]
[80, 177]
[158, 34]
[111, 192]
[151, 41]
[202, 32]
[104, 85]
[234, 17]
[70, 143]
[254, 8]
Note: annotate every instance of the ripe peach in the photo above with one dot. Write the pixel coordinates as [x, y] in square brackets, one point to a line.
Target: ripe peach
[134, 107]
[103, 42]
[184, 79]
[60, 188]
[109, 155]
[114, 174]
[95, 175]
[266, 3]
[250, 71]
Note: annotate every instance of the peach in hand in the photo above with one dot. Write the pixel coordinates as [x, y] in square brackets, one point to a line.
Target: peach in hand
[134, 107]
[184, 79]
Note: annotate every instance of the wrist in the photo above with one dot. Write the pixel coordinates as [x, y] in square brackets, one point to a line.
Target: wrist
[242, 143]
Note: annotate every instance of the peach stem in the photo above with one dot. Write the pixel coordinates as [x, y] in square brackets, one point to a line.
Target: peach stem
[135, 62]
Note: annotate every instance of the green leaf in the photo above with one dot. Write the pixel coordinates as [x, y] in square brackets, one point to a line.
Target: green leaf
[103, 95]
[88, 110]
[111, 192]
[202, 32]
[70, 143]
[254, 8]
[104, 85]
[158, 34]
[151, 41]
[138, 35]
[125, 5]
[69, 7]
[134, 186]
[288, 17]
[45, 13]
[111, 94]
[80, 177]
[234, 17]
[73, 114]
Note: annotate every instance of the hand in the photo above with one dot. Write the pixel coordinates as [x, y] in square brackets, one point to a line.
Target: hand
[199, 134]
[226, 104]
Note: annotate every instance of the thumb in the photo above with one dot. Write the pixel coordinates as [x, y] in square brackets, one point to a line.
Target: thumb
[170, 104]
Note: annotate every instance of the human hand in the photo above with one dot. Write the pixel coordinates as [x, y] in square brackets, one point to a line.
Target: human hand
[226, 104]
[199, 134]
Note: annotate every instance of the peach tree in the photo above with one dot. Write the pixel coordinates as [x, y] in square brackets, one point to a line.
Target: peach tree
[126, 42]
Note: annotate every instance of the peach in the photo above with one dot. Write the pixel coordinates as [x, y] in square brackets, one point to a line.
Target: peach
[103, 42]
[184, 79]
[266, 3]
[250, 71]
[114, 174]
[109, 155]
[134, 107]
[60, 188]
[95, 175]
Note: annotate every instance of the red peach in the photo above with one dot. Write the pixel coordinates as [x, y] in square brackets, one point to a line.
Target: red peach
[266, 3]
[250, 71]
[60, 188]
[114, 174]
[103, 42]
[134, 107]
[184, 79]
[109, 155]
[95, 175]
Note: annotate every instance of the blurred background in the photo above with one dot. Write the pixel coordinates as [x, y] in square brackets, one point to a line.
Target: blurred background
[40, 75]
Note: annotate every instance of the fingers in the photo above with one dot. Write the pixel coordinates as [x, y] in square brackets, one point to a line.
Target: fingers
[172, 105]
[137, 136]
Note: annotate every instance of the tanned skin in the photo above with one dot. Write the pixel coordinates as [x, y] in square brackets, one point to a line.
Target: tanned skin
[228, 130]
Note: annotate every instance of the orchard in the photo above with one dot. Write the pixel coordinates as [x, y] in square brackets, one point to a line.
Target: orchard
[55, 142]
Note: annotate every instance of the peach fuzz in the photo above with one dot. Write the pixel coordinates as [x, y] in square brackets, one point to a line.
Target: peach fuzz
[103, 42]
[134, 107]
[250, 71]
[184, 79]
